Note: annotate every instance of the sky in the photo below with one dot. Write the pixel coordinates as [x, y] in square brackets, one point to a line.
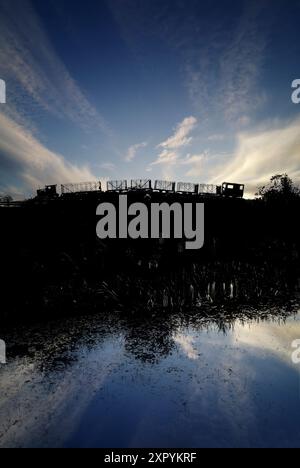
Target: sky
[183, 90]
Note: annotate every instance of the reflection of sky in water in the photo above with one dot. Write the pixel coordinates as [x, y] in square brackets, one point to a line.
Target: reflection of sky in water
[95, 384]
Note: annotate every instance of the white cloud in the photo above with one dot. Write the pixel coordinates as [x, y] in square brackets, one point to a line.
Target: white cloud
[132, 151]
[262, 153]
[166, 157]
[181, 134]
[24, 158]
[171, 159]
[174, 144]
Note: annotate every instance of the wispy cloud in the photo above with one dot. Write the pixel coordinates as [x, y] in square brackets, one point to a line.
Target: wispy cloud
[166, 157]
[133, 150]
[241, 64]
[262, 153]
[221, 55]
[222, 72]
[181, 135]
[172, 158]
[36, 77]
[30, 163]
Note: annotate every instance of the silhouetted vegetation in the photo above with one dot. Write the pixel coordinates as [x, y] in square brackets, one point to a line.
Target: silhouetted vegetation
[6, 199]
[280, 188]
[54, 264]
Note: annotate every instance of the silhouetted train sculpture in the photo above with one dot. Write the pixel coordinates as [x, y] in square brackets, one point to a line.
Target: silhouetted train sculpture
[227, 189]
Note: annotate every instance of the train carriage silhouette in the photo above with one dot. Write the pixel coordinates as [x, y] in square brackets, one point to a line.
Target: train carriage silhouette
[226, 189]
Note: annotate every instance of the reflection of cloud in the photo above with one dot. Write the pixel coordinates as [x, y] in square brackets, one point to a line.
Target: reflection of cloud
[261, 154]
[25, 157]
[274, 338]
[186, 344]
[36, 422]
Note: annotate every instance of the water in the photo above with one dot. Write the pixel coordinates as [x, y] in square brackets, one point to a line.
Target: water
[161, 380]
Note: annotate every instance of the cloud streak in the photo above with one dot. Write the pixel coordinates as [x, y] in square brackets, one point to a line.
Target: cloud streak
[262, 153]
[35, 75]
[241, 64]
[221, 55]
[181, 136]
[222, 72]
[172, 158]
[24, 158]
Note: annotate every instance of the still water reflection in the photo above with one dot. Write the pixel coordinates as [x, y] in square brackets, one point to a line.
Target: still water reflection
[159, 380]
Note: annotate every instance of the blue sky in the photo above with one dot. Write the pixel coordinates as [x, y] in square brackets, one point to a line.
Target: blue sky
[184, 90]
